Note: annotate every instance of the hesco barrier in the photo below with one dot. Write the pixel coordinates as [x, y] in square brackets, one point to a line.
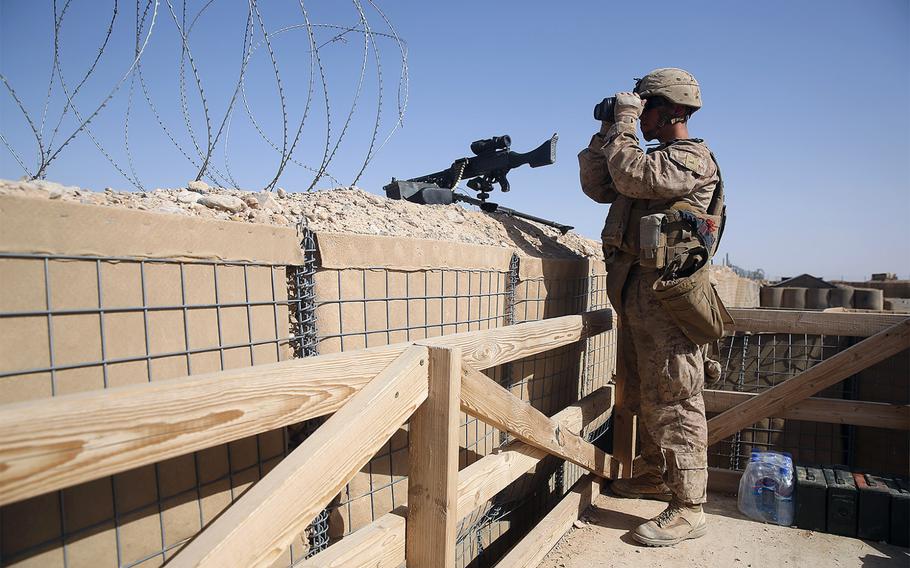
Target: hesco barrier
[754, 363]
[96, 298]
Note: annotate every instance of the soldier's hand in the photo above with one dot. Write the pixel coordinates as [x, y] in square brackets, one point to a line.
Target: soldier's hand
[628, 107]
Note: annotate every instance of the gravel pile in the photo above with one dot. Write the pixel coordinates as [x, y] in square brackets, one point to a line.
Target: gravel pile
[342, 210]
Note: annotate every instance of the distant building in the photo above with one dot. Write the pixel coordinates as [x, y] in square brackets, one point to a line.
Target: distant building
[804, 281]
[882, 276]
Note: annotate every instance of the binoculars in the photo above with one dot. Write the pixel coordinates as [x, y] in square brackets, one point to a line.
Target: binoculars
[604, 109]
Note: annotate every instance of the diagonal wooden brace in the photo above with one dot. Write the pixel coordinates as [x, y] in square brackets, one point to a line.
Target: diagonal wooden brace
[259, 526]
[831, 371]
[483, 398]
[381, 544]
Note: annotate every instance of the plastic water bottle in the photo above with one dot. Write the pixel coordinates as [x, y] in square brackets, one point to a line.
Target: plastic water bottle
[766, 488]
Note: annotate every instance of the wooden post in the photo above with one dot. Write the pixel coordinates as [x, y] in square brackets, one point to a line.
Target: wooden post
[433, 466]
[381, 543]
[625, 434]
[625, 423]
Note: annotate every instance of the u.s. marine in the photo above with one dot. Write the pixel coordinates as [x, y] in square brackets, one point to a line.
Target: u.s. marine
[664, 223]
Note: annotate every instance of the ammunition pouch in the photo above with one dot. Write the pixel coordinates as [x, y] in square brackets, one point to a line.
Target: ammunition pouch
[670, 233]
[693, 304]
[652, 240]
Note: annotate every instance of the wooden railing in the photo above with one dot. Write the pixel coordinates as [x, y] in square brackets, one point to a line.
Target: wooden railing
[886, 335]
[56, 443]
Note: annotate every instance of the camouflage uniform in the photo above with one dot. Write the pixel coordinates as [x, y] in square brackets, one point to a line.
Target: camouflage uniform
[662, 370]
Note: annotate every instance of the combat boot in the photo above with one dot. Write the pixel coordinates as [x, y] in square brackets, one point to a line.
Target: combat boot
[646, 486]
[677, 523]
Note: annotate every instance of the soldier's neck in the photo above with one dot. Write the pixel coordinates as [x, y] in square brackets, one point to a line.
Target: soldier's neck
[671, 132]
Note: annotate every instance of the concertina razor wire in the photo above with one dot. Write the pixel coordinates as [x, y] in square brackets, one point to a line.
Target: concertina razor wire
[310, 53]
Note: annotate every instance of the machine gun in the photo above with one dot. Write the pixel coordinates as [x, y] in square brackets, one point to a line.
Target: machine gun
[492, 160]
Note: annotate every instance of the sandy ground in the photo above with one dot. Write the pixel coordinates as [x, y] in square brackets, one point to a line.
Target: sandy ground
[732, 541]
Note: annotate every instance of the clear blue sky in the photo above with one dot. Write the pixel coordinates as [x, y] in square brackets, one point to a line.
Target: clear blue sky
[807, 104]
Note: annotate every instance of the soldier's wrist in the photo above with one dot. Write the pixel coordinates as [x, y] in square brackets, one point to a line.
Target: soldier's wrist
[626, 117]
[598, 140]
[621, 127]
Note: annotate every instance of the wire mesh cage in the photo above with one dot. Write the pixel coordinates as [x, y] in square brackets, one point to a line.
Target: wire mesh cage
[754, 363]
[77, 323]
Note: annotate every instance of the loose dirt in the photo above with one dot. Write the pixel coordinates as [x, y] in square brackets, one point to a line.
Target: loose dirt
[352, 210]
[344, 210]
[732, 541]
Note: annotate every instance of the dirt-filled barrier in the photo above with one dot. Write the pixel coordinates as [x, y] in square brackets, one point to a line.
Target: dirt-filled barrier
[107, 289]
[99, 297]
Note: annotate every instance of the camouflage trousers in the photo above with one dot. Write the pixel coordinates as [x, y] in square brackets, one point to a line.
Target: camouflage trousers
[664, 377]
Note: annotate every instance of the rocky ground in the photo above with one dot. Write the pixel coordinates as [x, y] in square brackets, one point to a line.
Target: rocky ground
[348, 210]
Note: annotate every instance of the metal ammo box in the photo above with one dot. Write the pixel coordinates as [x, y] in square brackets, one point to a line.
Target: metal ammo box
[874, 510]
[841, 502]
[811, 498]
[900, 513]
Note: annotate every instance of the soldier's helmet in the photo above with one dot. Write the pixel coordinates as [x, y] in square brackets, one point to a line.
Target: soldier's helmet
[673, 84]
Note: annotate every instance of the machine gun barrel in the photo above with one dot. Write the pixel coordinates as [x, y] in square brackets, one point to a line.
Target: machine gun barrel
[496, 208]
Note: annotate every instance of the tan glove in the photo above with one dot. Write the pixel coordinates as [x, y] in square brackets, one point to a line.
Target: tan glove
[628, 108]
[714, 371]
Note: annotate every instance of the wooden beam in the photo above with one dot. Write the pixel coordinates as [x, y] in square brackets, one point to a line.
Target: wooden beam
[829, 372]
[59, 442]
[483, 479]
[381, 543]
[258, 527]
[532, 549]
[625, 436]
[433, 465]
[56, 443]
[829, 410]
[483, 398]
[855, 324]
[377, 545]
[625, 423]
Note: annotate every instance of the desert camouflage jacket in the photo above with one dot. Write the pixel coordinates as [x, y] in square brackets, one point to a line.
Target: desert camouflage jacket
[614, 169]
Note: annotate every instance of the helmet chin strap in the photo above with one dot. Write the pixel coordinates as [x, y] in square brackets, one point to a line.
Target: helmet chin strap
[662, 120]
[665, 118]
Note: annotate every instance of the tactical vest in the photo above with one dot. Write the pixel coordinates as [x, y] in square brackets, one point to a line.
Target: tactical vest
[680, 239]
[682, 228]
